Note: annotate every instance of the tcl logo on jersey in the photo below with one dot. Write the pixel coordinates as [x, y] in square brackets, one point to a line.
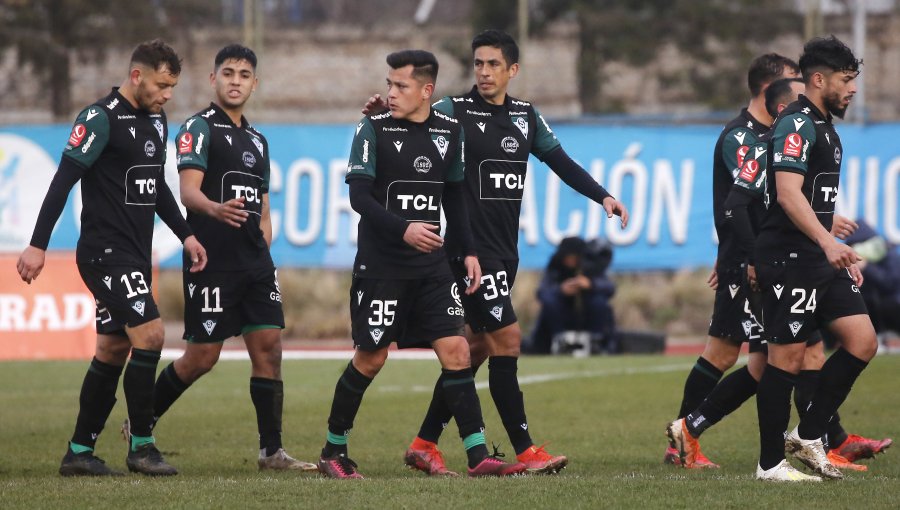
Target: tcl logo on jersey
[792, 145]
[243, 185]
[146, 186]
[77, 135]
[749, 170]
[185, 143]
[502, 180]
[249, 193]
[140, 184]
[508, 181]
[416, 200]
[825, 192]
[741, 154]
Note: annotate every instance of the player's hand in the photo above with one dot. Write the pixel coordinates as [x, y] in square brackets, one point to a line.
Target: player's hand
[374, 105]
[197, 253]
[614, 207]
[583, 282]
[30, 263]
[840, 255]
[570, 287]
[856, 273]
[713, 280]
[423, 237]
[473, 273]
[843, 227]
[231, 213]
[751, 278]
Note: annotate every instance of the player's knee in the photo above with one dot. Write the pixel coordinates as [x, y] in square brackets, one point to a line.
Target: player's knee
[455, 355]
[507, 341]
[112, 349]
[721, 353]
[370, 363]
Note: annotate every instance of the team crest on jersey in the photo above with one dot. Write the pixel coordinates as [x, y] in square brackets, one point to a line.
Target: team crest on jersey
[422, 164]
[191, 288]
[509, 144]
[441, 142]
[258, 144]
[138, 307]
[497, 312]
[376, 333]
[522, 124]
[209, 325]
[837, 155]
[249, 159]
[107, 280]
[748, 327]
[159, 129]
[795, 327]
[185, 143]
[149, 148]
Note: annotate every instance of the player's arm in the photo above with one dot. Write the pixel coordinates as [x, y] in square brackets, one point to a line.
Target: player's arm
[265, 220]
[454, 202]
[231, 212]
[168, 211]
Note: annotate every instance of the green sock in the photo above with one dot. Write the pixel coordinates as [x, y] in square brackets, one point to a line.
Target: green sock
[79, 448]
[138, 441]
[473, 440]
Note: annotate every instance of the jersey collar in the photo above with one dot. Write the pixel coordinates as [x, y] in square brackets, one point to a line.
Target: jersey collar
[124, 103]
[813, 109]
[480, 101]
[752, 122]
[225, 119]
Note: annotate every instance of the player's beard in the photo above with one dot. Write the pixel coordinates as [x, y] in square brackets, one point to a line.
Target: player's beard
[833, 105]
[145, 100]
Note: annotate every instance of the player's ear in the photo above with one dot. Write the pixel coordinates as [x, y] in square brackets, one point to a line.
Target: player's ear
[255, 84]
[136, 75]
[514, 70]
[212, 79]
[427, 91]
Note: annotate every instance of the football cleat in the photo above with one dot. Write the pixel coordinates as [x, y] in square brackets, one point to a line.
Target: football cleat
[338, 466]
[427, 458]
[784, 472]
[672, 456]
[857, 447]
[85, 464]
[538, 461]
[492, 466]
[812, 453]
[841, 462]
[281, 461]
[147, 459]
[687, 446]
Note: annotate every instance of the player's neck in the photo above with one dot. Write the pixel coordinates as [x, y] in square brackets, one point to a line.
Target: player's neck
[498, 99]
[817, 101]
[757, 108]
[126, 91]
[420, 114]
[235, 114]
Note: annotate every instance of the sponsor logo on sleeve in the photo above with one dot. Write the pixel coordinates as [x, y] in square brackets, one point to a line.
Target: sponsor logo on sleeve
[749, 170]
[77, 135]
[185, 143]
[87, 145]
[199, 146]
[365, 156]
[112, 104]
[208, 114]
[741, 154]
[792, 145]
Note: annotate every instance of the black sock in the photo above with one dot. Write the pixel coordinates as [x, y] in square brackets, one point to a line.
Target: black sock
[438, 415]
[462, 399]
[138, 384]
[807, 382]
[167, 390]
[837, 378]
[773, 406]
[508, 398]
[725, 398]
[268, 399]
[835, 434]
[348, 394]
[98, 396]
[698, 385]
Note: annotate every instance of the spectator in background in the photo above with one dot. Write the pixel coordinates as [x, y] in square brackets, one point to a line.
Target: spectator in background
[881, 271]
[575, 294]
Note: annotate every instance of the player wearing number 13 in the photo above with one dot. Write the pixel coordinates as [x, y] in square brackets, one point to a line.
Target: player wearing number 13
[117, 150]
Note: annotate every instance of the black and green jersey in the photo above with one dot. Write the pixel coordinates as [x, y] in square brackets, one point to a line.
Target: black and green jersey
[731, 148]
[804, 141]
[235, 163]
[752, 174]
[409, 163]
[123, 150]
[499, 139]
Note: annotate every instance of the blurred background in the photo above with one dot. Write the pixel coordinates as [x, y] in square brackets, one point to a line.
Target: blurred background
[637, 91]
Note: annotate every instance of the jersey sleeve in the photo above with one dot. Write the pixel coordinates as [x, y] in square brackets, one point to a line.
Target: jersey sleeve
[456, 173]
[752, 176]
[193, 144]
[794, 134]
[267, 166]
[444, 105]
[89, 136]
[735, 146]
[362, 152]
[545, 141]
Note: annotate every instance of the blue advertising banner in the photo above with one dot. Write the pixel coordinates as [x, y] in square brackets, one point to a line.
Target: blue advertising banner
[663, 174]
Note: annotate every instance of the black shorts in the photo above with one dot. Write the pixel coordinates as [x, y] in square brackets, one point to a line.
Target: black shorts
[799, 299]
[221, 304]
[733, 316]
[490, 307]
[412, 313]
[122, 295]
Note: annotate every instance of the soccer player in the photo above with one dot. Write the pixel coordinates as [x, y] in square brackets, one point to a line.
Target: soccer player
[118, 150]
[744, 208]
[404, 165]
[732, 323]
[223, 164]
[808, 279]
[501, 132]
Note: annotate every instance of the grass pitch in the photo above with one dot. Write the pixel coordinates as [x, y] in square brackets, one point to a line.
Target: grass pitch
[606, 413]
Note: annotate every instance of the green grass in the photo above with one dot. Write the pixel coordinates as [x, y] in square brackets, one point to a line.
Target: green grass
[606, 414]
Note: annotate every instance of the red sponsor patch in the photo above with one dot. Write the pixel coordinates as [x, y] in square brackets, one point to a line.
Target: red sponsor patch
[77, 135]
[749, 170]
[792, 145]
[741, 153]
[185, 143]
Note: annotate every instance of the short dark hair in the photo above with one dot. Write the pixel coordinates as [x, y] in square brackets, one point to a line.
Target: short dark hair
[779, 92]
[829, 53]
[500, 40]
[236, 52]
[425, 64]
[766, 69]
[156, 54]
